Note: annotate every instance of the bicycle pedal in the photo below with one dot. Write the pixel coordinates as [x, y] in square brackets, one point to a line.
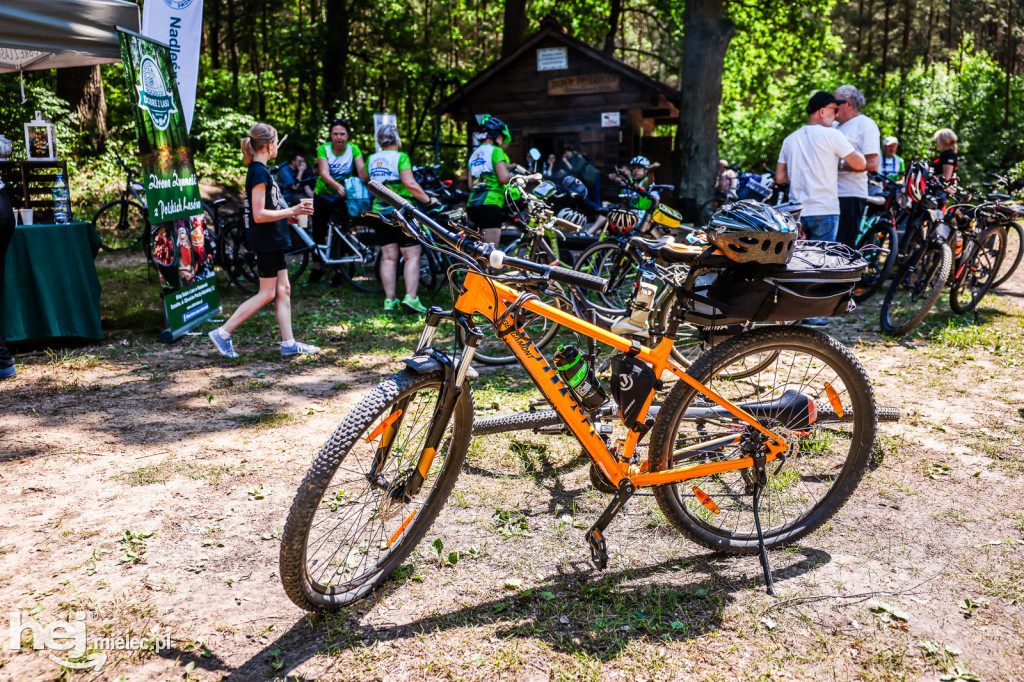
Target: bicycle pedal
[598, 549]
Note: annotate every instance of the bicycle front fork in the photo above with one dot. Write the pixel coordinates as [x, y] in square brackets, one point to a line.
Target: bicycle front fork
[455, 374]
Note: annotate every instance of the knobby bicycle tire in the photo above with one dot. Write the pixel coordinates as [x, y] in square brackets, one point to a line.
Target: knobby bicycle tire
[612, 262]
[822, 468]
[918, 284]
[880, 265]
[328, 580]
[1014, 253]
[121, 224]
[975, 277]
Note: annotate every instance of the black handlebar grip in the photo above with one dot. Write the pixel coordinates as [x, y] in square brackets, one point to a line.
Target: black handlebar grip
[579, 279]
[387, 195]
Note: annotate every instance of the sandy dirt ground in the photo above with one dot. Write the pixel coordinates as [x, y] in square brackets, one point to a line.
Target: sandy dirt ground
[144, 486]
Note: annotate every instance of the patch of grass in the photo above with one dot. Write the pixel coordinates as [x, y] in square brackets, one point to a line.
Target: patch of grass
[266, 420]
[164, 471]
[510, 524]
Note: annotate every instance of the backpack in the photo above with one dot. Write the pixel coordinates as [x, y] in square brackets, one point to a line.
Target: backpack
[357, 197]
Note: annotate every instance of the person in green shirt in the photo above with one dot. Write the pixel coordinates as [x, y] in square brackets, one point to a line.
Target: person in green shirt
[336, 160]
[488, 177]
[393, 169]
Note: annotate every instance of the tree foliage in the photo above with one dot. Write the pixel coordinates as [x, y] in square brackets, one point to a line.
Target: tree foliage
[923, 64]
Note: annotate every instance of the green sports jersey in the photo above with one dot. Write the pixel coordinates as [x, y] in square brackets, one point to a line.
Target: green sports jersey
[386, 167]
[340, 167]
[487, 189]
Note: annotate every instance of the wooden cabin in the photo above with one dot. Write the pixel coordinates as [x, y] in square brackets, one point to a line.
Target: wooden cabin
[556, 90]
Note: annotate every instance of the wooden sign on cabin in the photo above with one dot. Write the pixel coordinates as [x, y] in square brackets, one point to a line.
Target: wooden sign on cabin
[584, 85]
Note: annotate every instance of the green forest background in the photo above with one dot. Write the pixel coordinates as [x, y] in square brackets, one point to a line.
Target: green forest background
[922, 64]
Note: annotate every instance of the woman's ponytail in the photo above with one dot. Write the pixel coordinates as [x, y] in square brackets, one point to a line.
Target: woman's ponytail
[260, 137]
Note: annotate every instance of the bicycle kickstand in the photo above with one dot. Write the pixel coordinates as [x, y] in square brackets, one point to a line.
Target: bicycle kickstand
[595, 536]
[760, 481]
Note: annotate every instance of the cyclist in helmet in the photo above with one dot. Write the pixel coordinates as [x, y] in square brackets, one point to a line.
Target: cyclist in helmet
[488, 177]
[641, 169]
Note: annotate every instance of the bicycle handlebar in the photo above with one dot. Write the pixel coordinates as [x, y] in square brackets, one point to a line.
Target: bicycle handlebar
[485, 252]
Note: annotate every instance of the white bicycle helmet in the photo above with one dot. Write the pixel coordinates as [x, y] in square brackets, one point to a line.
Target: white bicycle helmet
[641, 161]
[573, 216]
[751, 232]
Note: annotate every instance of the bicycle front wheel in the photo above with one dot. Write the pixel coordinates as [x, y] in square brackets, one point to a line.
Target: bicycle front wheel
[612, 262]
[881, 257]
[916, 287]
[977, 275]
[121, 224]
[823, 465]
[1014, 252]
[346, 533]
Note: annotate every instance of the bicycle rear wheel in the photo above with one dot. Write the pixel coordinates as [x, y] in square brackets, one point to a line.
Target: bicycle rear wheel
[362, 274]
[976, 276]
[345, 534]
[826, 458]
[121, 224]
[1014, 253]
[881, 259]
[916, 287]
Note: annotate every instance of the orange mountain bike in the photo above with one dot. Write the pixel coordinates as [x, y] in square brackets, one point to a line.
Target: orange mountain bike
[728, 450]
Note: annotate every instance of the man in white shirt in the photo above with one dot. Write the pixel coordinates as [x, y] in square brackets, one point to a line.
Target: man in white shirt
[863, 134]
[809, 161]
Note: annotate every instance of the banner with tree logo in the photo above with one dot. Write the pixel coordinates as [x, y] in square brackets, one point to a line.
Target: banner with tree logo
[177, 239]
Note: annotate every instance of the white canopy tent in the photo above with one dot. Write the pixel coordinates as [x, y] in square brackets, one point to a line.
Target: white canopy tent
[51, 34]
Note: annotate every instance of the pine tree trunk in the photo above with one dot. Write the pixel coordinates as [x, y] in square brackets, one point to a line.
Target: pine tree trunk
[515, 26]
[613, 25]
[706, 38]
[885, 42]
[82, 87]
[213, 33]
[335, 54]
[904, 65]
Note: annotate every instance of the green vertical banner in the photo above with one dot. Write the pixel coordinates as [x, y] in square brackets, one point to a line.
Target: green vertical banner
[178, 240]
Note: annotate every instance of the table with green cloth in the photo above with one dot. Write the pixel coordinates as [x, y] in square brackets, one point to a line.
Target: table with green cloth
[51, 289]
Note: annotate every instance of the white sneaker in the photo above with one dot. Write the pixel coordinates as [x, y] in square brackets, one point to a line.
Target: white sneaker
[298, 348]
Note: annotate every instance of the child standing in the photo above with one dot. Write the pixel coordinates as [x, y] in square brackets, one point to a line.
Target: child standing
[267, 233]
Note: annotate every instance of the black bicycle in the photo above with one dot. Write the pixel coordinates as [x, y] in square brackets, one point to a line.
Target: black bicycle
[123, 223]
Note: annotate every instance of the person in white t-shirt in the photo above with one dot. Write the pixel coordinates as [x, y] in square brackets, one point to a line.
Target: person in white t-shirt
[863, 134]
[809, 162]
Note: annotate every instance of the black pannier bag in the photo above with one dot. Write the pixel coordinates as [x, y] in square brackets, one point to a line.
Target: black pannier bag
[818, 281]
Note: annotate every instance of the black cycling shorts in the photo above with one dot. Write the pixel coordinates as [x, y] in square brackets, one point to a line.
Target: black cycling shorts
[389, 234]
[269, 263]
[487, 216]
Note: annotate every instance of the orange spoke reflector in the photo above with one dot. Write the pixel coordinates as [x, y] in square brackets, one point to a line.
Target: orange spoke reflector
[833, 398]
[703, 498]
[384, 425]
[405, 524]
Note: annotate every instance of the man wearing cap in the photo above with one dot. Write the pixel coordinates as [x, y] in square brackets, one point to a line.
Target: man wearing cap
[890, 165]
[863, 134]
[809, 161]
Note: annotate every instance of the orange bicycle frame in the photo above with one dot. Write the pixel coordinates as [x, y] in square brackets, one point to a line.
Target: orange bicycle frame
[479, 297]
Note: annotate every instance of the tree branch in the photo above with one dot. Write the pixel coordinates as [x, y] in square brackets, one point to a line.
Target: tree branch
[645, 53]
[647, 13]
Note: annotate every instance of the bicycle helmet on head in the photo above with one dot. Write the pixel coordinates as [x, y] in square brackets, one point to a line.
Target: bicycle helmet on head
[493, 126]
[641, 161]
[751, 232]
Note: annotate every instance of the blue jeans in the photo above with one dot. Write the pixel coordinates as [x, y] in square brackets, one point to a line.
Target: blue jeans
[820, 227]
